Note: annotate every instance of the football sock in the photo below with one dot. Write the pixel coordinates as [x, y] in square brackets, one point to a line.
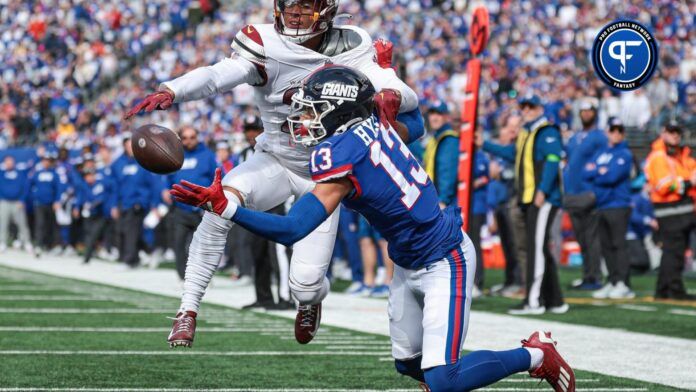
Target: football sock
[410, 367]
[537, 357]
[205, 253]
[478, 369]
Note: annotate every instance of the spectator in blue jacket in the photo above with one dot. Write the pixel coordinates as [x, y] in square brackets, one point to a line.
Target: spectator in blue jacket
[45, 191]
[536, 154]
[92, 203]
[13, 192]
[579, 199]
[199, 168]
[610, 175]
[132, 198]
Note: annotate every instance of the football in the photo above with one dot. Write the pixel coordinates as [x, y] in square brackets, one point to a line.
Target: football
[157, 149]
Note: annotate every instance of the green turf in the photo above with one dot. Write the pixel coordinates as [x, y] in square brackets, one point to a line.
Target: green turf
[252, 334]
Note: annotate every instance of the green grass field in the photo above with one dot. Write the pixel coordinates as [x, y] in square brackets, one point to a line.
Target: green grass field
[65, 334]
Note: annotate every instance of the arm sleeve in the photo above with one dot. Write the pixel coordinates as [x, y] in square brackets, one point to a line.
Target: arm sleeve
[619, 169]
[551, 148]
[415, 124]
[214, 79]
[506, 152]
[304, 216]
[446, 163]
[383, 78]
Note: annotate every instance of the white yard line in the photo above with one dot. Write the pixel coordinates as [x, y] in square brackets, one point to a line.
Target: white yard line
[639, 308]
[501, 389]
[683, 312]
[51, 298]
[194, 353]
[383, 346]
[117, 329]
[601, 350]
[16, 287]
[86, 310]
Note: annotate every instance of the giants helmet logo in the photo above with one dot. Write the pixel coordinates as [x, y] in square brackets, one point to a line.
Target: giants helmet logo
[339, 91]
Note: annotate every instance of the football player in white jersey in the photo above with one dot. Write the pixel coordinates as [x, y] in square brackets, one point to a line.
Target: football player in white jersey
[275, 58]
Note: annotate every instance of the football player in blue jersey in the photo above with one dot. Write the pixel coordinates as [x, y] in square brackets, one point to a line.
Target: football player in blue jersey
[365, 164]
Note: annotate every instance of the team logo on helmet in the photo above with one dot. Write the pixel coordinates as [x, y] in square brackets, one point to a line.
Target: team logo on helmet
[624, 55]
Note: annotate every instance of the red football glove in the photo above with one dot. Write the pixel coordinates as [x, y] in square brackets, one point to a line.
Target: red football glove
[384, 50]
[387, 103]
[212, 198]
[161, 100]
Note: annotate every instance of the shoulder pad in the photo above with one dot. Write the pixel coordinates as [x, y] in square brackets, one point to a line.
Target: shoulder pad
[340, 40]
[249, 45]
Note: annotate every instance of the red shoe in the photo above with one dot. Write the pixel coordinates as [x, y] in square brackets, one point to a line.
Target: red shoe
[554, 368]
[183, 330]
[307, 322]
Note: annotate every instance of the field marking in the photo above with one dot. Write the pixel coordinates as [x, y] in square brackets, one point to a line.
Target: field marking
[116, 329]
[384, 346]
[52, 298]
[333, 338]
[683, 312]
[289, 389]
[197, 353]
[87, 310]
[36, 288]
[639, 308]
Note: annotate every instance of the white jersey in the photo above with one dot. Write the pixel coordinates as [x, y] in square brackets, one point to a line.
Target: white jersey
[273, 65]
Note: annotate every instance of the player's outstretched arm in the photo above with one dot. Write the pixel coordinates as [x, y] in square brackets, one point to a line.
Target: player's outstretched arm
[218, 78]
[200, 83]
[304, 216]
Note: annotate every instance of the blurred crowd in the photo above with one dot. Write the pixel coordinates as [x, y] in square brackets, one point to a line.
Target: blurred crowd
[55, 55]
[56, 116]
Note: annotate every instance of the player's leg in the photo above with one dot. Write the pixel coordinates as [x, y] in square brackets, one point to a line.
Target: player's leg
[262, 184]
[405, 324]
[311, 257]
[447, 286]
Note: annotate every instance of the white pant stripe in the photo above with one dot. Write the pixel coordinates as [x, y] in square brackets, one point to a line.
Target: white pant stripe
[539, 259]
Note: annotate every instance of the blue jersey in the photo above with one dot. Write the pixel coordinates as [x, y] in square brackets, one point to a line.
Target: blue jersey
[392, 191]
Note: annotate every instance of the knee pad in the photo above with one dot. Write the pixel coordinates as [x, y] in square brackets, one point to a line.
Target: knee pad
[310, 294]
[410, 367]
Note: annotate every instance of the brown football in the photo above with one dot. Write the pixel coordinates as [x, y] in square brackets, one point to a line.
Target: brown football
[157, 149]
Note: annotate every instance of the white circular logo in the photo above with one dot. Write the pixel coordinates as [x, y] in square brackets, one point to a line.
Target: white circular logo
[142, 143]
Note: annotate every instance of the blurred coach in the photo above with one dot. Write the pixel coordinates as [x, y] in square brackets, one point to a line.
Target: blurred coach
[12, 195]
[671, 173]
[198, 168]
[134, 189]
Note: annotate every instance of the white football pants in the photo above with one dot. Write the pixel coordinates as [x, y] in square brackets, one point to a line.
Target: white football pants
[429, 308]
[263, 182]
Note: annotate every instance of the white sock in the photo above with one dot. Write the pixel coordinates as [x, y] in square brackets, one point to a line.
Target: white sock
[537, 356]
[205, 251]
